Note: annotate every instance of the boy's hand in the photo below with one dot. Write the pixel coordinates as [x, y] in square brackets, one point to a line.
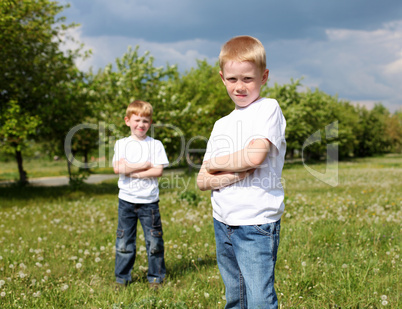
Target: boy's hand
[124, 167]
[218, 180]
[246, 173]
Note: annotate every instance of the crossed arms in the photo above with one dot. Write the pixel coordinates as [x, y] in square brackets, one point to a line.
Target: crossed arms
[137, 170]
[219, 172]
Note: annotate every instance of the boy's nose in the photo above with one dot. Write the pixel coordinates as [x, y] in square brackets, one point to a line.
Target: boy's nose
[239, 87]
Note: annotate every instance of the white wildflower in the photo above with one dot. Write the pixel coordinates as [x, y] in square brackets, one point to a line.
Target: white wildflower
[64, 287]
[37, 294]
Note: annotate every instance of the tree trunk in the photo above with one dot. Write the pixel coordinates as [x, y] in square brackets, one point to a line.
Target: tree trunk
[23, 174]
[69, 168]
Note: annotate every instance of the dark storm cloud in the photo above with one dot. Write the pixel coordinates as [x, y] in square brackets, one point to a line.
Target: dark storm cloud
[178, 20]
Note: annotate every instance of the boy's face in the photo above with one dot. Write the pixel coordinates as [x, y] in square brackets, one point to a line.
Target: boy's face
[243, 81]
[139, 126]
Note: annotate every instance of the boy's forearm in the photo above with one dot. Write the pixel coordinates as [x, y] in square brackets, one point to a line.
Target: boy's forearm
[248, 158]
[214, 181]
[126, 168]
[155, 171]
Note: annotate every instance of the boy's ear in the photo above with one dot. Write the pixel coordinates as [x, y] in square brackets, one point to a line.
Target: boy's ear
[265, 76]
[126, 120]
[221, 74]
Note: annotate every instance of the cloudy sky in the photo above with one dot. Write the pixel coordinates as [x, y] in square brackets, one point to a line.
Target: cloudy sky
[352, 48]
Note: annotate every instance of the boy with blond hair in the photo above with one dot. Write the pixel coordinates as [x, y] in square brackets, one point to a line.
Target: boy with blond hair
[242, 167]
[139, 160]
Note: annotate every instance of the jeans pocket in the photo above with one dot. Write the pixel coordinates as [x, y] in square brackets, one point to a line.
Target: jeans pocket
[265, 229]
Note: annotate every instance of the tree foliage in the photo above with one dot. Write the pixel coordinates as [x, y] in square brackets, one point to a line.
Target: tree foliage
[44, 97]
[33, 70]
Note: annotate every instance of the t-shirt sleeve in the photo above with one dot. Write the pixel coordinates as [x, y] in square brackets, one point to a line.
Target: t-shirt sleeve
[159, 157]
[118, 154]
[208, 151]
[271, 124]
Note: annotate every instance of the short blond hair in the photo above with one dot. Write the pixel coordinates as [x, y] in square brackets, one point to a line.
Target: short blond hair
[139, 108]
[243, 48]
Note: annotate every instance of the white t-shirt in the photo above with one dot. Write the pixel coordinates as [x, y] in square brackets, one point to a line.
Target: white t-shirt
[135, 190]
[257, 199]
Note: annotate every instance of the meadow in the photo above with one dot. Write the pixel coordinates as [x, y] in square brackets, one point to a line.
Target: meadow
[340, 246]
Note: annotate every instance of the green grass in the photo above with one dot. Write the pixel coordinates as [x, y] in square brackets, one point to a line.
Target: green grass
[44, 168]
[340, 246]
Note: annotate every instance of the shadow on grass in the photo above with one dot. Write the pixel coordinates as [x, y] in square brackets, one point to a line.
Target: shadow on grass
[178, 268]
[16, 195]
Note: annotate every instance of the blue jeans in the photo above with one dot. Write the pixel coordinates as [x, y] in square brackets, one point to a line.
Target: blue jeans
[150, 219]
[246, 258]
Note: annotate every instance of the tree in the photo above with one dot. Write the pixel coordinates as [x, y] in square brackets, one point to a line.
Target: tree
[134, 77]
[372, 131]
[297, 126]
[394, 131]
[193, 103]
[32, 69]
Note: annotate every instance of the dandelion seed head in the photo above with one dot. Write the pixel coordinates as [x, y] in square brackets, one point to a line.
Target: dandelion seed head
[78, 265]
[36, 295]
[384, 303]
[97, 260]
[3, 294]
[64, 287]
[304, 264]
[206, 295]
[384, 297]
[345, 266]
